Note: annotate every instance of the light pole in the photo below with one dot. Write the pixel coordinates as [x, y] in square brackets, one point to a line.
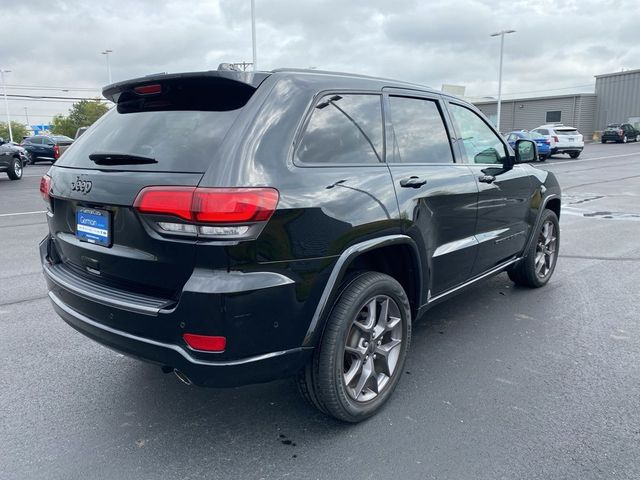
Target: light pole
[500, 34]
[253, 34]
[6, 103]
[26, 114]
[106, 54]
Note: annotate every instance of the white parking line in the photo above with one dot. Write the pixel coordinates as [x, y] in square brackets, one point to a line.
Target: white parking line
[571, 162]
[21, 213]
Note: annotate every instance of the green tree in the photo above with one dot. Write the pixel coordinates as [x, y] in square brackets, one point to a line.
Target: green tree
[18, 129]
[81, 114]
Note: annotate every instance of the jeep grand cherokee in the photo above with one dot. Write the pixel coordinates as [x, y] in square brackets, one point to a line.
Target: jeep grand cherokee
[240, 227]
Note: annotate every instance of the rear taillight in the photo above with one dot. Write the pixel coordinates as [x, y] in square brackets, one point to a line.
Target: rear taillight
[45, 188]
[56, 152]
[620, 132]
[547, 141]
[229, 213]
[555, 139]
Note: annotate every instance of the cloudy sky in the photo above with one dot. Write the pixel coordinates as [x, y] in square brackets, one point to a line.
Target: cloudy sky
[53, 47]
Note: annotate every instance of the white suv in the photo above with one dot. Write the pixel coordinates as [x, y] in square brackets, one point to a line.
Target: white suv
[563, 139]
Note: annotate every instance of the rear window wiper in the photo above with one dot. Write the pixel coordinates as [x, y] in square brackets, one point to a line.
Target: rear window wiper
[101, 158]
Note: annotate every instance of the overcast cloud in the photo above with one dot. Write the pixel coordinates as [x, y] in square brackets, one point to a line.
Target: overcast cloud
[558, 47]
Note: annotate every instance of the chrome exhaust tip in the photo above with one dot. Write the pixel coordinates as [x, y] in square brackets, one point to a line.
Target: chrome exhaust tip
[182, 377]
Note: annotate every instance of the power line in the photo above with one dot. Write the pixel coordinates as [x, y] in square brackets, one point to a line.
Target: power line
[51, 87]
[46, 97]
[545, 90]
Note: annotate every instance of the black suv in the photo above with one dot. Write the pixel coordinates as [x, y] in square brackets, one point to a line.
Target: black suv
[240, 227]
[620, 133]
[47, 148]
[12, 159]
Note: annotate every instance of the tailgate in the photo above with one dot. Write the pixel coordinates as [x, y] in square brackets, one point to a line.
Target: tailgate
[134, 257]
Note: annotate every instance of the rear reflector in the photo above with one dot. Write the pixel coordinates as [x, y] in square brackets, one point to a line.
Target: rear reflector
[45, 188]
[209, 205]
[56, 151]
[205, 342]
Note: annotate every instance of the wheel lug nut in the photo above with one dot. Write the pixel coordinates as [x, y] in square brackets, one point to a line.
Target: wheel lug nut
[379, 342]
[366, 344]
[375, 356]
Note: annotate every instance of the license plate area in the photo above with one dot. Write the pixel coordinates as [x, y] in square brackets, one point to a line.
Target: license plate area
[93, 226]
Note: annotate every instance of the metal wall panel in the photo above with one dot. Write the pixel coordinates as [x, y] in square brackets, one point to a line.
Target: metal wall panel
[576, 111]
[618, 98]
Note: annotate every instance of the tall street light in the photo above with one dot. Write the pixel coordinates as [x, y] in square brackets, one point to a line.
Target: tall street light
[106, 54]
[253, 34]
[6, 103]
[500, 34]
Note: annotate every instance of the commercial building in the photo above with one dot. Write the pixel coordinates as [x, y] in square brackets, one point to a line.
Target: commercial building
[616, 100]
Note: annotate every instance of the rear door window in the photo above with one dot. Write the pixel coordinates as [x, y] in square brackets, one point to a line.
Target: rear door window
[419, 132]
[343, 129]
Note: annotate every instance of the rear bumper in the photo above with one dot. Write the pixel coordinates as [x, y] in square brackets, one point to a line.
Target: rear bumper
[260, 368]
[568, 148]
[264, 323]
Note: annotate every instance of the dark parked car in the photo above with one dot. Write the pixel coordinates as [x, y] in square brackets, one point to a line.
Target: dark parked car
[240, 227]
[44, 147]
[543, 144]
[12, 159]
[621, 133]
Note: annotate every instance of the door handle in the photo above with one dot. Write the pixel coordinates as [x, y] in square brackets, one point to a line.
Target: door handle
[413, 182]
[486, 178]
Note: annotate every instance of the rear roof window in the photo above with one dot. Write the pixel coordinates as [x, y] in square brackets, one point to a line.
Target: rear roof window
[181, 125]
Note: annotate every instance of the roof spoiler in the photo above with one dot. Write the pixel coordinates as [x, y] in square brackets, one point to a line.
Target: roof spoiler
[252, 80]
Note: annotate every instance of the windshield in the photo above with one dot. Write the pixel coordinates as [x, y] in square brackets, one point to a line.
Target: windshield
[61, 138]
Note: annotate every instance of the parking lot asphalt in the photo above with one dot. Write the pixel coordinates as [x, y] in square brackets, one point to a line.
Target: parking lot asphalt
[501, 382]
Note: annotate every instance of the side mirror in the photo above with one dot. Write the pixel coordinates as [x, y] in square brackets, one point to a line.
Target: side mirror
[526, 151]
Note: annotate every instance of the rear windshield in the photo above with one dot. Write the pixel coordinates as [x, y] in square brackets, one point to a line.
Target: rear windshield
[61, 139]
[181, 130]
[613, 127]
[567, 131]
[178, 141]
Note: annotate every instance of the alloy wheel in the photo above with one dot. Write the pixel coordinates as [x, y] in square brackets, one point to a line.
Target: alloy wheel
[546, 250]
[372, 348]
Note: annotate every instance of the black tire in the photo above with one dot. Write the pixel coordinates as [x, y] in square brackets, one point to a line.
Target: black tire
[15, 169]
[574, 154]
[323, 382]
[543, 158]
[525, 273]
[603, 141]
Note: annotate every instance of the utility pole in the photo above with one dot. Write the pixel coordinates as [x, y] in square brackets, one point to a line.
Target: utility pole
[26, 114]
[500, 34]
[253, 34]
[106, 54]
[6, 102]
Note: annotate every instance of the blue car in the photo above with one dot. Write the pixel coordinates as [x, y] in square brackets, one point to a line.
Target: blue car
[543, 143]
